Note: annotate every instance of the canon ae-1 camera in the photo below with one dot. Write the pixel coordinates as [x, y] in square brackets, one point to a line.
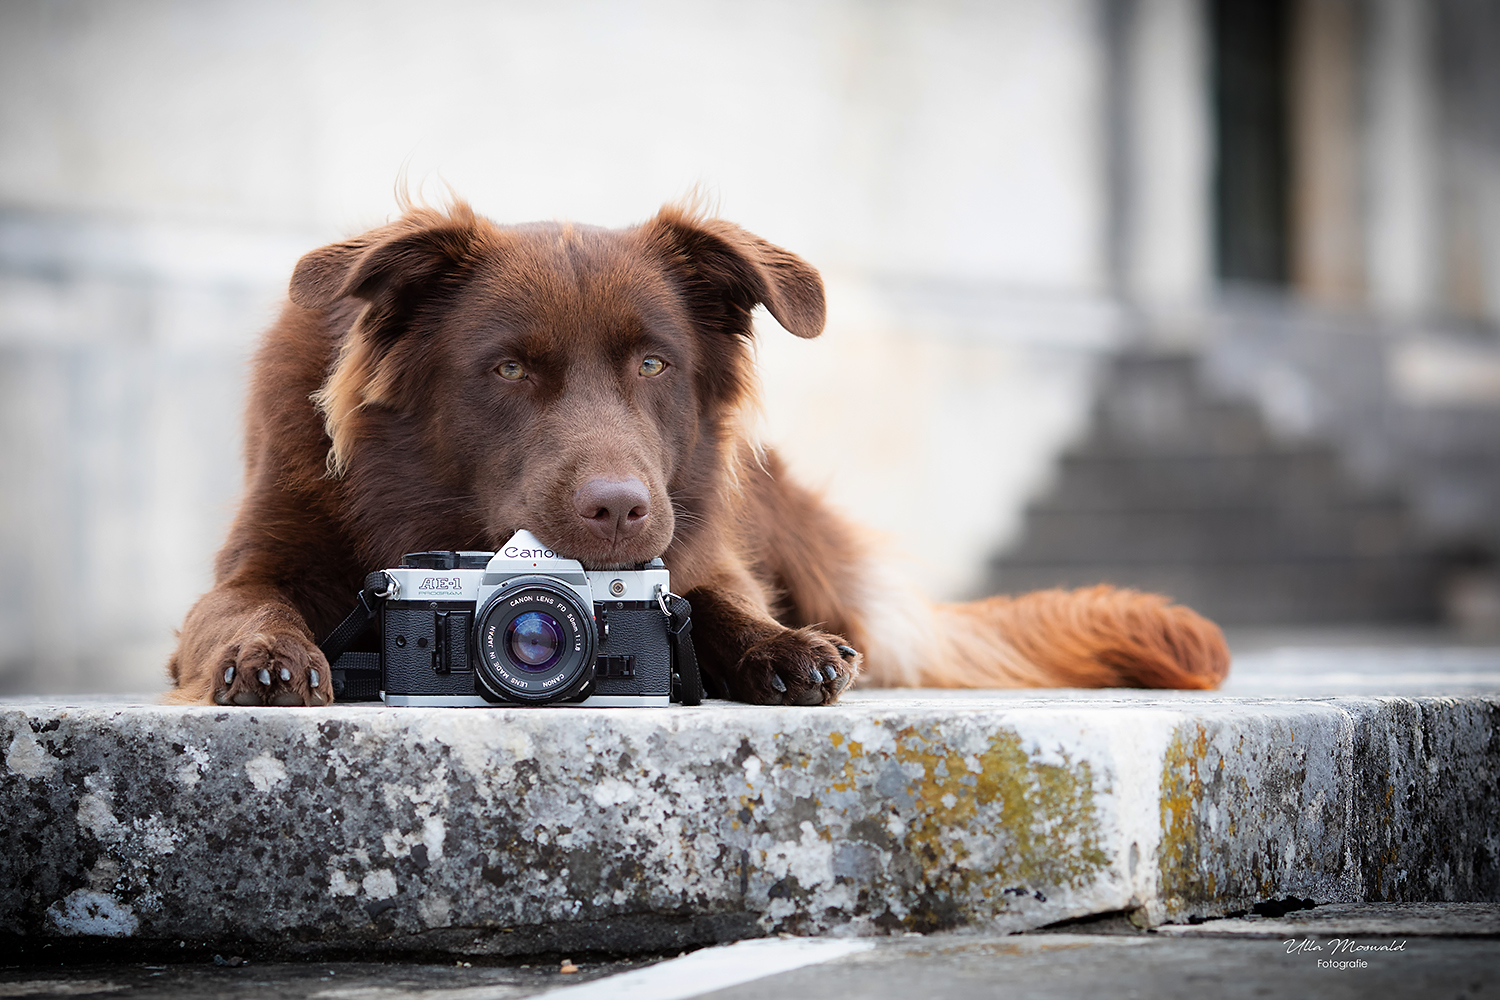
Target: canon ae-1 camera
[525, 626]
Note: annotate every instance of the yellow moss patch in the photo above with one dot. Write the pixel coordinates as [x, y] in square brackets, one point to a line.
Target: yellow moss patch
[1181, 790]
[1043, 812]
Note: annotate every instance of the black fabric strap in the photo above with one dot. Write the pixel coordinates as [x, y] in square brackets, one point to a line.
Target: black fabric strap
[356, 676]
[370, 600]
[684, 658]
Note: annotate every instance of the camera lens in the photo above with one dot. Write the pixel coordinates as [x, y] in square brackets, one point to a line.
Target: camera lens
[534, 640]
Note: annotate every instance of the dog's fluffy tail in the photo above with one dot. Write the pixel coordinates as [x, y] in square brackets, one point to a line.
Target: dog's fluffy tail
[1094, 637]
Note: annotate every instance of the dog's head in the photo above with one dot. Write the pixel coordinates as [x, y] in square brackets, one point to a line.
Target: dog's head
[576, 381]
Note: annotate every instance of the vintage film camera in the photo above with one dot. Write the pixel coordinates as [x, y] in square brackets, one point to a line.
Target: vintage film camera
[521, 626]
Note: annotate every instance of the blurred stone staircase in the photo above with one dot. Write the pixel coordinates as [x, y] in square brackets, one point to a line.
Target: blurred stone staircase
[1180, 490]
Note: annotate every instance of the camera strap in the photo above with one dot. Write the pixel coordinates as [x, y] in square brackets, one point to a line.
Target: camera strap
[684, 660]
[371, 597]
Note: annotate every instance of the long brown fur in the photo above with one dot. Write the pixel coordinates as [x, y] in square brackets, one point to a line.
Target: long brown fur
[378, 424]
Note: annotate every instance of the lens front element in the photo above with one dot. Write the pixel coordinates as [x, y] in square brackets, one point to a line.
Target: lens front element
[536, 641]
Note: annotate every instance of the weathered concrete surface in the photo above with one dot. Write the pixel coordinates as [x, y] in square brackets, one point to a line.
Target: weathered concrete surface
[515, 831]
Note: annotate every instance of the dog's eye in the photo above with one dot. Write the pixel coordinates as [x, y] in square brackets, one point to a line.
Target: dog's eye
[512, 371]
[653, 366]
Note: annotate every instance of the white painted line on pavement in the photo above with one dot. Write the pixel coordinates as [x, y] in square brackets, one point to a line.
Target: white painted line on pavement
[712, 969]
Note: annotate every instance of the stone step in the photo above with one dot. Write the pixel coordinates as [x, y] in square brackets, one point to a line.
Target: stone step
[1249, 592]
[1287, 479]
[1177, 490]
[362, 829]
[1152, 403]
[1210, 535]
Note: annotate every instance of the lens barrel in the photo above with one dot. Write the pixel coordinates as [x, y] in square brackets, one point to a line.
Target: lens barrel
[535, 641]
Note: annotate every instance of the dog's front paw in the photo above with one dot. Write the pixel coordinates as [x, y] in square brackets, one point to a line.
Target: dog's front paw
[795, 667]
[272, 668]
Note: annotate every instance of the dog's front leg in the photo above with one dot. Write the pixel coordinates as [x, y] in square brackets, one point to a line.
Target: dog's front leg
[748, 655]
[246, 645]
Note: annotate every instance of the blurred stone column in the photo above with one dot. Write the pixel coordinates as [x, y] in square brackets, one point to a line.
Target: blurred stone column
[1401, 248]
[122, 359]
[1467, 74]
[1162, 155]
[1326, 231]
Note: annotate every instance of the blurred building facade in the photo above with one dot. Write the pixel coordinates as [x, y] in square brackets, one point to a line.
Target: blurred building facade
[1257, 244]
[1324, 446]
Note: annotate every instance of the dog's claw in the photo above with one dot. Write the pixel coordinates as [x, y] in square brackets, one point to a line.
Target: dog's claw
[778, 683]
[809, 696]
[829, 673]
[265, 669]
[847, 652]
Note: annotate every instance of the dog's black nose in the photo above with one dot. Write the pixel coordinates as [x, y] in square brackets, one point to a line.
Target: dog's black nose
[614, 510]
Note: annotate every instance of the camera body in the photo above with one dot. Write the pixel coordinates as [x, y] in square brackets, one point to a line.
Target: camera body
[523, 626]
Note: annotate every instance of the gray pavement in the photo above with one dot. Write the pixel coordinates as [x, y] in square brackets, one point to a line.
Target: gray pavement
[1344, 662]
[1045, 966]
[1346, 950]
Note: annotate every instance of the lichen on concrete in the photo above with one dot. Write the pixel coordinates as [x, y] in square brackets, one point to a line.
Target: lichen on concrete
[920, 827]
[1253, 807]
[1342, 800]
[514, 831]
[1428, 779]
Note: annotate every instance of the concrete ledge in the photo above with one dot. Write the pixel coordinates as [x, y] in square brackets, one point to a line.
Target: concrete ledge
[516, 831]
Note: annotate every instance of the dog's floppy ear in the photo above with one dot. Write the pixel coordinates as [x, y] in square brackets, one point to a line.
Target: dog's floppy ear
[727, 272]
[390, 269]
[419, 246]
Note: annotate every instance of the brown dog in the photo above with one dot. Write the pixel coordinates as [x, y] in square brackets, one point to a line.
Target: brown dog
[441, 382]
